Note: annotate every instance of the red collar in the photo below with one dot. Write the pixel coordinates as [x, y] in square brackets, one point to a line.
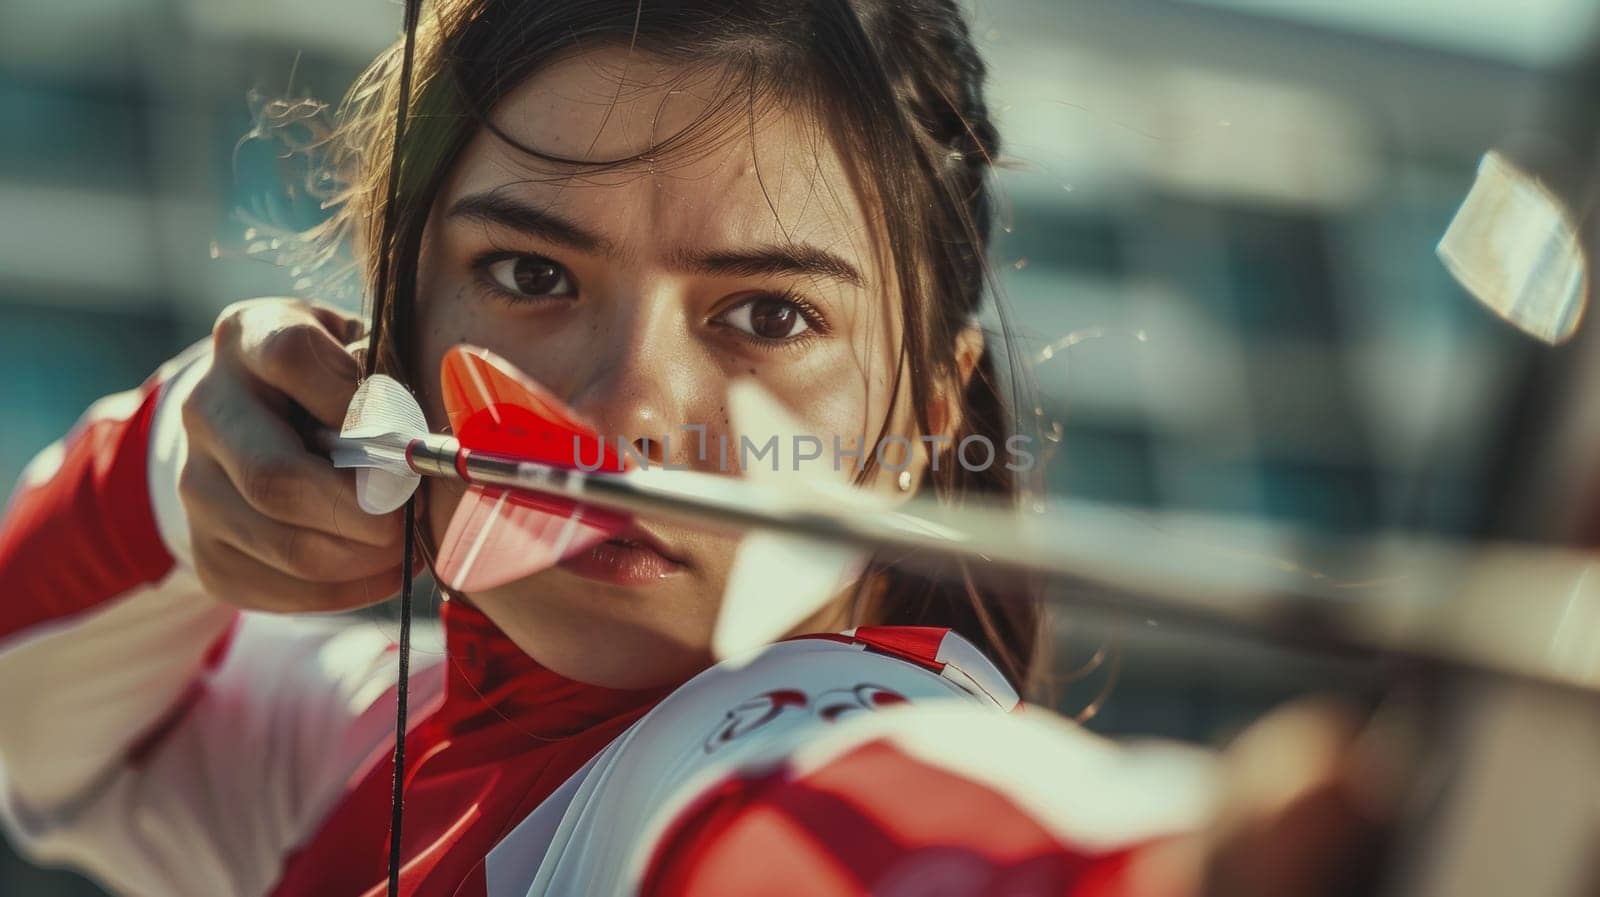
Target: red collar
[491, 681]
[508, 734]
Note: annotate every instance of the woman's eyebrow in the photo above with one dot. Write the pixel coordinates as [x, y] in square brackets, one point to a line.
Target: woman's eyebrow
[497, 209]
[765, 261]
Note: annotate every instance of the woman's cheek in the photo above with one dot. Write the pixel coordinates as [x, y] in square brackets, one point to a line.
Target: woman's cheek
[848, 404]
[835, 413]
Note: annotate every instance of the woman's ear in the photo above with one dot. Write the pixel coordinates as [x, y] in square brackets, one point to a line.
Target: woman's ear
[944, 417]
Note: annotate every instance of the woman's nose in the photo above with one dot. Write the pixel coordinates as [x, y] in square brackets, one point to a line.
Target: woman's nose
[642, 404]
[648, 420]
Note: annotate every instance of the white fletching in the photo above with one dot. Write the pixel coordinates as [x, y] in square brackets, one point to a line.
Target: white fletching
[383, 418]
[1516, 249]
[383, 407]
[778, 581]
[380, 491]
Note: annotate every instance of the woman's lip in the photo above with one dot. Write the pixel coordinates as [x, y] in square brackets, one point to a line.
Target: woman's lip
[632, 558]
[641, 536]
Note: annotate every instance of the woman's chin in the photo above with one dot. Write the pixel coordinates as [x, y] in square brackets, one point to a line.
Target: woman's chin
[585, 624]
[614, 657]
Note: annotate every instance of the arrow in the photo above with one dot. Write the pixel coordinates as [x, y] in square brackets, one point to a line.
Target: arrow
[542, 486]
[1528, 612]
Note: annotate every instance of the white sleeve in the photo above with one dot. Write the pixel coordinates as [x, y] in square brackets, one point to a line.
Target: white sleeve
[168, 744]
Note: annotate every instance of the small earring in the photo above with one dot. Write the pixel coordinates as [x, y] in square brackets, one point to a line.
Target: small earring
[904, 481]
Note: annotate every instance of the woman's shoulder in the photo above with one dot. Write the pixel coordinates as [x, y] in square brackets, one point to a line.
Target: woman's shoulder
[760, 704]
[883, 664]
[752, 709]
[746, 713]
[889, 730]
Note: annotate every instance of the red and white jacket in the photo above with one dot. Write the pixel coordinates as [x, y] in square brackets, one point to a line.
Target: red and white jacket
[171, 745]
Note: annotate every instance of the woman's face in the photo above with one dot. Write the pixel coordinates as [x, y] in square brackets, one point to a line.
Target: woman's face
[639, 295]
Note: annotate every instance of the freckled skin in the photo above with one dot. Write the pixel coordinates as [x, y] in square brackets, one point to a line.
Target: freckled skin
[638, 351]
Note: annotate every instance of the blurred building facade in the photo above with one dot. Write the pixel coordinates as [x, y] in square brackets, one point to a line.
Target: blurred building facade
[1217, 249]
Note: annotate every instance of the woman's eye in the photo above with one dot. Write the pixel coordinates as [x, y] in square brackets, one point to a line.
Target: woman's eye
[533, 276]
[768, 317]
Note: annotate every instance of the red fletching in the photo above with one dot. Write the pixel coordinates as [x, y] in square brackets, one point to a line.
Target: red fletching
[498, 535]
[494, 407]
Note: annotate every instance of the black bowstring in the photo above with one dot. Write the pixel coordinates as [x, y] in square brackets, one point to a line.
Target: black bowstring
[397, 798]
[387, 246]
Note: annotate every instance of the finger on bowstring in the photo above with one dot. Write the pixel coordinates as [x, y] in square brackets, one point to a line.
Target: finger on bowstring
[301, 552]
[241, 580]
[269, 467]
[305, 362]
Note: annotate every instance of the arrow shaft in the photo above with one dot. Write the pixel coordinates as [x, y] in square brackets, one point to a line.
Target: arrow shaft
[1528, 612]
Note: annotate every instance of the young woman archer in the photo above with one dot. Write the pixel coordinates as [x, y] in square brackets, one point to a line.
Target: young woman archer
[637, 204]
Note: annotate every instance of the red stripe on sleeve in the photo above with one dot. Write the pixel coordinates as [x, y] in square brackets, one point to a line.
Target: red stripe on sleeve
[88, 533]
[917, 644]
[872, 821]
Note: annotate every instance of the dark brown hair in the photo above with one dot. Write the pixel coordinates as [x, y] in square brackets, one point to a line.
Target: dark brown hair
[898, 85]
